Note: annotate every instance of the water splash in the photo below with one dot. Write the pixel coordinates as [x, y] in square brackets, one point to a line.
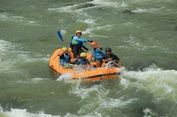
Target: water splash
[18, 19]
[10, 57]
[6, 52]
[108, 3]
[65, 77]
[148, 113]
[5, 46]
[161, 83]
[23, 113]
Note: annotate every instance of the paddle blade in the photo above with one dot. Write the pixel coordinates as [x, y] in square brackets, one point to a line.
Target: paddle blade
[59, 35]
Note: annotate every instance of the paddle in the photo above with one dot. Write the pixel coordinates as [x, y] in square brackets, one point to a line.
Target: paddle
[85, 48]
[60, 37]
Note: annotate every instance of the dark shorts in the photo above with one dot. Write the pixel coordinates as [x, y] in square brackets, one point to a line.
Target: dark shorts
[76, 50]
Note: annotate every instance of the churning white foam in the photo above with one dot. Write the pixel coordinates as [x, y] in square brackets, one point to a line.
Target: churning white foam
[150, 10]
[23, 113]
[9, 56]
[94, 27]
[67, 78]
[115, 103]
[5, 45]
[5, 50]
[161, 83]
[85, 92]
[149, 113]
[96, 99]
[88, 20]
[76, 8]
[65, 9]
[136, 43]
[8, 17]
[109, 3]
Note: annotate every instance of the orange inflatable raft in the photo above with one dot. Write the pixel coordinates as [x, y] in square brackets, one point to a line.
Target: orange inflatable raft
[94, 74]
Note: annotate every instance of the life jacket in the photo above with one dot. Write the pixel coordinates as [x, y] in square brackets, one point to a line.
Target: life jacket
[75, 43]
[65, 57]
[97, 54]
[81, 61]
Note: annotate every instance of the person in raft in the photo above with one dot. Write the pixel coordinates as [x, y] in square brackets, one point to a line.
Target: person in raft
[97, 54]
[77, 42]
[110, 57]
[66, 56]
[82, 59]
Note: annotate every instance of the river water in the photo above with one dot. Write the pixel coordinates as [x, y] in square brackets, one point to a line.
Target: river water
[143, 33]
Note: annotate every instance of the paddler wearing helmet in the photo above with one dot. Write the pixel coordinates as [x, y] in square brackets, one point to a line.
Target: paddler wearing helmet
[110, 56]
[82, 59]
[76, 43]
[97, 54]
[65, 55]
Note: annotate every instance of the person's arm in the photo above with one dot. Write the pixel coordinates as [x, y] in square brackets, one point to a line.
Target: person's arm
[115, 58]
[106, 59]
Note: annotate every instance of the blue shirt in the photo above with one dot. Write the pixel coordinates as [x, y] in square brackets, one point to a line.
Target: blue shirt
[98, 54]
[77, 40]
